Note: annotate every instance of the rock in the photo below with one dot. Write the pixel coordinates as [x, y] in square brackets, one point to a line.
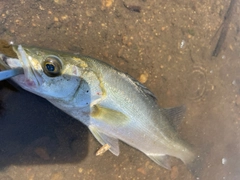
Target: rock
[57, 176]
[106, 4]
[143, 77]
[42, 153]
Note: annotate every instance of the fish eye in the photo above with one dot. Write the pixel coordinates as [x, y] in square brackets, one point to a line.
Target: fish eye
[52, 66]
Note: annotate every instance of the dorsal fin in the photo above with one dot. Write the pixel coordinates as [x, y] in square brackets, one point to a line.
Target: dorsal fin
[174, 115]
[142, 88]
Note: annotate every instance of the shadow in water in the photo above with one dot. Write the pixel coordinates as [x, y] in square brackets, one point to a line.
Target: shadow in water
[33, 131]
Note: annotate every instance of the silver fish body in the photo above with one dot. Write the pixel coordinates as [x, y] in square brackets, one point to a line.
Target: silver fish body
[110, 103]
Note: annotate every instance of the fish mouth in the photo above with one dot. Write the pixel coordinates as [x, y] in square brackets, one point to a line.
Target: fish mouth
[30, 78]
[6, 71]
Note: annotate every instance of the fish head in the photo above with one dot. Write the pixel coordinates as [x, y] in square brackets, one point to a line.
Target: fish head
[49, 74]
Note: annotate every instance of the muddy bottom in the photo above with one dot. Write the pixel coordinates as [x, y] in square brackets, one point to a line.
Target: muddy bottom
[186, 53]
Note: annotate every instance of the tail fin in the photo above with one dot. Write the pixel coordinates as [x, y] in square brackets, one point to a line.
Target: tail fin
[192, 160]
[195, 167]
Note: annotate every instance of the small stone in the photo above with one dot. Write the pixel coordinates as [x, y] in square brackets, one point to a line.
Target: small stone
[143, 78]
[90, 12]
[224, 160]
[142, 170]
[169, 58]
[42, 153]
[57, 176]
[31, 177]
[65, 17]
[106, 3]
[80, 170]
[120, 52]
[60, 1]
[124, 40]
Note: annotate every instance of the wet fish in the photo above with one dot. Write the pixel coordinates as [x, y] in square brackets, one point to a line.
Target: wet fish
[111, 104]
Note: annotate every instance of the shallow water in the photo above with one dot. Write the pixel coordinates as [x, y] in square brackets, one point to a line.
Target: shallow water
[168, 44]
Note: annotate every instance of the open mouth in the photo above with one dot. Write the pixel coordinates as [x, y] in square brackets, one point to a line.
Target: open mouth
[32, 77]
[18, 66]
[6, 71]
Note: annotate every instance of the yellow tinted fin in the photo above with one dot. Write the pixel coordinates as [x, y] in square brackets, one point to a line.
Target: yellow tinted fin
[104, 139]
[110, 116]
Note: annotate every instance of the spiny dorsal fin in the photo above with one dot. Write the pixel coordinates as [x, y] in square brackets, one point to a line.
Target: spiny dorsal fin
[143, 88]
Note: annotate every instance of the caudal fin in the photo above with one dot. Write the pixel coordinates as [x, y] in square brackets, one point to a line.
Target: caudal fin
[193, 161]
[195, 167]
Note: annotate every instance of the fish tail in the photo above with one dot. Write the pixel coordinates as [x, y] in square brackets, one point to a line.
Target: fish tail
[189, 156]
[194, 164]
[195, 167]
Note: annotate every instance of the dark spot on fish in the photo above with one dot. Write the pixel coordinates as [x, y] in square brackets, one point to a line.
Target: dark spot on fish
[87, 91]
[132, 7]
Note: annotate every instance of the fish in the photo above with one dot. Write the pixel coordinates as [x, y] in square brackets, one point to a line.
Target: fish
[114, 106]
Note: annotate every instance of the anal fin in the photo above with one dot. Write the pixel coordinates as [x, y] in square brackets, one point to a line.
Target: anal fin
[161, 160]
[104, 139]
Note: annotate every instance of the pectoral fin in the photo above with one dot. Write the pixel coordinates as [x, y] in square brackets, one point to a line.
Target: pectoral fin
[109, 116]
[104, 139]
[161, 159]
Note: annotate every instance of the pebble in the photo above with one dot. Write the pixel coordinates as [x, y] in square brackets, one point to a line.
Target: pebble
[80, 170]
[143, 78]
[107, 3]
[60, 1]
[57, 176]
[142, 170]
[42, 153]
